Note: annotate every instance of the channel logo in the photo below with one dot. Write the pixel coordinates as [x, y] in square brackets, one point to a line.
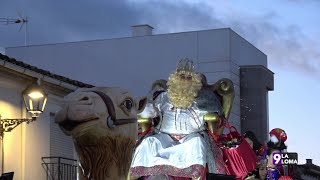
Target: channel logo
[279, 158]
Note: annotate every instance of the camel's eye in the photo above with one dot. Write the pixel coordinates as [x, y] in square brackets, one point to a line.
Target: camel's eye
[128, 104]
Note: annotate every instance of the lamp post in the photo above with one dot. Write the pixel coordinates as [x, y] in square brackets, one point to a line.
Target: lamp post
[35, 99]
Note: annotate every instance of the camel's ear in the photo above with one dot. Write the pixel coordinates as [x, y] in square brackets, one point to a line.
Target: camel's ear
[140, 103]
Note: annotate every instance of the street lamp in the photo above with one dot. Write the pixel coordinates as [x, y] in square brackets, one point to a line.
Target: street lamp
[34, 98]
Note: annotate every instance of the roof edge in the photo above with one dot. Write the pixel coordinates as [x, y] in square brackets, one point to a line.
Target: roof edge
[257, 66]
[33, 71]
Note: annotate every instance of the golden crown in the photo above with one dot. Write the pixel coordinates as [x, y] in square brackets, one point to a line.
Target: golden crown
[185, 65]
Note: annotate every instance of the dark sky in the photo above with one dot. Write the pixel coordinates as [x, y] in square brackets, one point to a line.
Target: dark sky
[61, 21]
[278, 31]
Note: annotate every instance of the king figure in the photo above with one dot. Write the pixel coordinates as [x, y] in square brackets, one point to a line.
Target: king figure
[179, 123]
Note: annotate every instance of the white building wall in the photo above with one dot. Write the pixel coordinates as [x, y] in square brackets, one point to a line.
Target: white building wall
[25, 145]
[244, 53]
[130, 62]
[36, 146]
[136, 62]
[10, 107]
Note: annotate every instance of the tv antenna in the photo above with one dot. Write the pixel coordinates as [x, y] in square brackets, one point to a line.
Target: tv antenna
[21, 20]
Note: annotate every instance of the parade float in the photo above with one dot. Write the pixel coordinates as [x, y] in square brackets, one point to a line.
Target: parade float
[184, 132]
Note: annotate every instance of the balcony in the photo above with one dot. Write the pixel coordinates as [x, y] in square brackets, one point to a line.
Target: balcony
[60, 168]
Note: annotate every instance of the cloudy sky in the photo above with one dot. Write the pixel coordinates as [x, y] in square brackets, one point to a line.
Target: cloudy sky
[288, 31]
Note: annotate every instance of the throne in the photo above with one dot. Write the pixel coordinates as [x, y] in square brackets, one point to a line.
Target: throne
[223, 93]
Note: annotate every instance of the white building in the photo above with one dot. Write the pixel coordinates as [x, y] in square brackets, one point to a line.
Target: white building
[135, 62]
[24, 148]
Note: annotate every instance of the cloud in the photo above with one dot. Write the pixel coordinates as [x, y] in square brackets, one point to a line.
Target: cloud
[178, 16]
[61, 21]
[286, 45]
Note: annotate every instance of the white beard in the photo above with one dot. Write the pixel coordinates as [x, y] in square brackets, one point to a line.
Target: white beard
[182, 93]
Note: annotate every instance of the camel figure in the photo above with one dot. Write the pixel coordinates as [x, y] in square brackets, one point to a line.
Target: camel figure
[103, 124]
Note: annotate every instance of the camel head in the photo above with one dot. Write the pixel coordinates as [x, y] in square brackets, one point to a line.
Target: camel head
[103, 124]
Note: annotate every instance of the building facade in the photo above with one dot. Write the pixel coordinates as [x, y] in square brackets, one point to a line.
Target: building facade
[135, 62]
[29, 149]
[307, 171]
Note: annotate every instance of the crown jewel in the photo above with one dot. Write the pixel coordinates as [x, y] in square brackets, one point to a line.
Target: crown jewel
[185, 65]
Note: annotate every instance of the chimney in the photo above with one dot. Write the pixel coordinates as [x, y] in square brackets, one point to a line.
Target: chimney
[309, 161]
[141, 30]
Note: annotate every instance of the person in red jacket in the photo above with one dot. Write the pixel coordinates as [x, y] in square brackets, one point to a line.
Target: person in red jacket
[276, 144]
[253, 141]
